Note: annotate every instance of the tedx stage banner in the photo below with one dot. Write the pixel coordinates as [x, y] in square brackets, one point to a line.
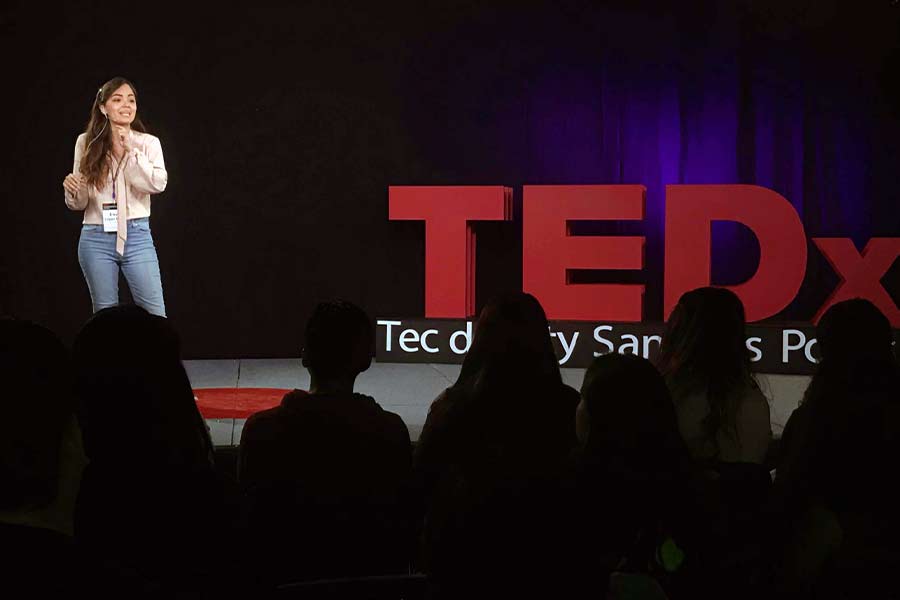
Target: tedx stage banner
[551, 250]
[784, 349]
[590, 319]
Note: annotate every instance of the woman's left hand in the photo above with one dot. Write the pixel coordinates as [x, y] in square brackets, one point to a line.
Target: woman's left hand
[124, 137]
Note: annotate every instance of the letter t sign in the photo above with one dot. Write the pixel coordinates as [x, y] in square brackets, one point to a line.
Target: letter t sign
[448, 213]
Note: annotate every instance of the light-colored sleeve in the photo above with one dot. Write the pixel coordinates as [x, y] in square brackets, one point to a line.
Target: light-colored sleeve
[754, 427]
[146, 171]
[79, 201]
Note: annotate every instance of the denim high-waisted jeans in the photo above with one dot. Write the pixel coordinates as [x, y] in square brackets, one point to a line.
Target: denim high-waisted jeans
[101, 263]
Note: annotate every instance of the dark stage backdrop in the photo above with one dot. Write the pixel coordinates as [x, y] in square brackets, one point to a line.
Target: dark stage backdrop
[282, 128]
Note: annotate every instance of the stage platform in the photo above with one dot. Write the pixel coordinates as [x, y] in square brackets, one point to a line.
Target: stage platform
[406, 389]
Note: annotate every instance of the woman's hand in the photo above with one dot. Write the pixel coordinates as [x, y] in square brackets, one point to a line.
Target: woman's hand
[122, 139]
[74, 183]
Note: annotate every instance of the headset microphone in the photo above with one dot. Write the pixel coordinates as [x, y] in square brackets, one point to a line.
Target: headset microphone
[102, 129]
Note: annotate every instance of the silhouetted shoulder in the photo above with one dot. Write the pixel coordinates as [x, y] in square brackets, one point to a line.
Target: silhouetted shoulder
[440, 404]
[570, 395]
[397, 425]
[392, 421]
[264, 416]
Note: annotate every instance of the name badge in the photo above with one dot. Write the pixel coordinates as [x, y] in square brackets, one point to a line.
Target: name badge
[110, 218]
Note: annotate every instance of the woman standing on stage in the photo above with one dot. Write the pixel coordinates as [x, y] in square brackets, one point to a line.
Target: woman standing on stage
[117, 166]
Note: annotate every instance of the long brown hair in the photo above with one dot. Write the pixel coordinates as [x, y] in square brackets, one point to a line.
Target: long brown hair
[704, 349]
[98, 134]
[509, 397]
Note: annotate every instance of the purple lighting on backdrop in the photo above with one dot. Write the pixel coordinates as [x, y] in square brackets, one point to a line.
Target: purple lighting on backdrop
[701, 119]
[703, 95]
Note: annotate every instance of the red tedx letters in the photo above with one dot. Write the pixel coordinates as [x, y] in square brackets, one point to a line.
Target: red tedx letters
[550, 252]
[448, 213]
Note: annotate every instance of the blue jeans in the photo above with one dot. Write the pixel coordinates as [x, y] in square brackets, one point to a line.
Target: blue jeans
[100, 264]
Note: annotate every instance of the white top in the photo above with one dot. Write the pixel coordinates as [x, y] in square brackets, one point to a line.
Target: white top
[143, 172]
[754, 430]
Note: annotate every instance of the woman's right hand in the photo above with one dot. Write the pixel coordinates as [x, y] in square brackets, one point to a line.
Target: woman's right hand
[74, 183]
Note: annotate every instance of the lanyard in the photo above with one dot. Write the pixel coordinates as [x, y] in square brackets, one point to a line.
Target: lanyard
[119, 166]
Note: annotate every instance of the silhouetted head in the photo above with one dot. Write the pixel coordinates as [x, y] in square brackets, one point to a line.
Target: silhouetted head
[626, 413]
[633, 464]
[512, 335]
[705, 337]
[854, 329]
[136, 402]
[35, 407]
[509, 405]
[851, 414]
[704, 350]
[339, 341]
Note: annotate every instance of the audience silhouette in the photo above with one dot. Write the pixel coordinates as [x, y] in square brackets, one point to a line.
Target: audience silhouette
[722, 414]
[724, 420]
[648, 484]
[326, 473]
[152, 509]
[837, 503]
[490, 456]
[632, 478]
[41, 460]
